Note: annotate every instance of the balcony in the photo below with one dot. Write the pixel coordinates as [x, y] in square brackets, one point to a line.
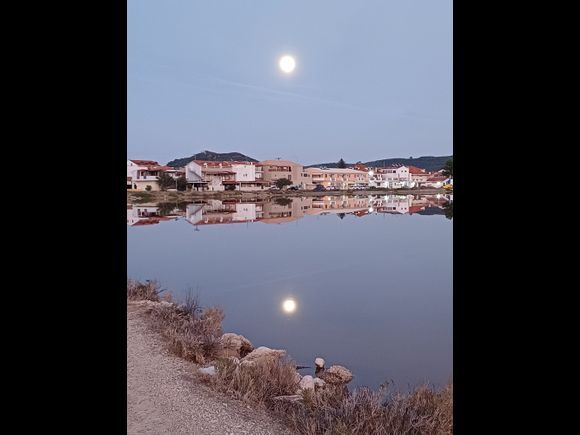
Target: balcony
[146, 178]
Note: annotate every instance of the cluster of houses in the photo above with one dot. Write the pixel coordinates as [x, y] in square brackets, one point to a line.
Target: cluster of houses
[205, 175]
[212, 212]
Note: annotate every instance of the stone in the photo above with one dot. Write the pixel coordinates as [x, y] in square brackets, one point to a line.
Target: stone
[319, 383]
[336, 375]
[207, 370]
[263, 355]
[234, 345]
[306, 383]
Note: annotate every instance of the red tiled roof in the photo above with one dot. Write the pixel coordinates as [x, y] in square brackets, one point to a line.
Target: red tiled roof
[437, 178]
[416, 208]
[145, 162]
[416, 170]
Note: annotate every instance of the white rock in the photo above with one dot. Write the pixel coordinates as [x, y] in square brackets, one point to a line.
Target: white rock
[307, 383]
[319, 383]
[319, 362]
[263, 354]
[235, 345]
[336, 375]
[207, 370]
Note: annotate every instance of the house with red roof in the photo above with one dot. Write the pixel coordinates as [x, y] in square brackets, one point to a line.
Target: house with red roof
[394, 176]
[143, 174]
[223, 175]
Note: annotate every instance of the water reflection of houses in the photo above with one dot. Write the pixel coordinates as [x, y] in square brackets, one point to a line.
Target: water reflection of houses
[139, 215]
[284, 210]
[222, 212]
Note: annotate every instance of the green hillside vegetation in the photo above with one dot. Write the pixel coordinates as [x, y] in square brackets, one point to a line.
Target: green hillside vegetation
[210, 155]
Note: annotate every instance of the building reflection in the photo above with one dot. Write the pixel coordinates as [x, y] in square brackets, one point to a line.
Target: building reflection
[285, 210]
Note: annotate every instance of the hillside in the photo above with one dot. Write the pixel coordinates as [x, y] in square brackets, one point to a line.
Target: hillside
[429, 163]
[210, 155]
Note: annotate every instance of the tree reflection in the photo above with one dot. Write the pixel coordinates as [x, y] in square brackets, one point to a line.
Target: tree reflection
[448, 208]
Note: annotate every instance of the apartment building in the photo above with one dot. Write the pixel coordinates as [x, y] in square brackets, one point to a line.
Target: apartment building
[336, 178]
[272, 170]
[223, 175]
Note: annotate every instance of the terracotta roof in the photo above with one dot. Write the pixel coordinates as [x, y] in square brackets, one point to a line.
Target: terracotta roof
[416, 170]
[416, 208]
[158, 168]
[145, 162]
[437, 178]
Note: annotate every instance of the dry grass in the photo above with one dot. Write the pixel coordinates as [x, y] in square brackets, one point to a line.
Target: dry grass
[258, 383]
[138, 291]
[193, 333]
[422, 411]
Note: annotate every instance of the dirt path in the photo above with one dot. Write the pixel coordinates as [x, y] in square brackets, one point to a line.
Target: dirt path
[163, 396]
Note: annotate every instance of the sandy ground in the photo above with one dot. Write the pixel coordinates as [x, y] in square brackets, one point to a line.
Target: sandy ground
[163, 396]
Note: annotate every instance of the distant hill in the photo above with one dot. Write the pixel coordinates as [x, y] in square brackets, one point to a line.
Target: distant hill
[210, 155]
[428, 163]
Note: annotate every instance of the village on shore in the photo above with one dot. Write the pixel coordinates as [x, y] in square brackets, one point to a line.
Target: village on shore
[246, 176]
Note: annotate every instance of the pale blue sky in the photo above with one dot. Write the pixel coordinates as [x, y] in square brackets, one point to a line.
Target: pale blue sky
[373, 78]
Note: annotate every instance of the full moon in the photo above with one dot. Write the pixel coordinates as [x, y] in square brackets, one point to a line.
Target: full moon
[287, 64]
[289, 305]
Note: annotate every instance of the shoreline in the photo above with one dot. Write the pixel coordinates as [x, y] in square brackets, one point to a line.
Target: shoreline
[136, 197]
[267, 379]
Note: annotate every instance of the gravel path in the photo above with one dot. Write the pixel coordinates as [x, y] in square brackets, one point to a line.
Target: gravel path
[163, 396]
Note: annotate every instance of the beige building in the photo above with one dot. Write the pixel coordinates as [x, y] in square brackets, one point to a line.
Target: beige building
[336, 178]
[272, 170]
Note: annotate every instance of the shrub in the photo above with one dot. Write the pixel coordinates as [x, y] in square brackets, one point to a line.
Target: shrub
[148, 188]
[137, 291]
[422, 411]
[282, 182]
[258, 383]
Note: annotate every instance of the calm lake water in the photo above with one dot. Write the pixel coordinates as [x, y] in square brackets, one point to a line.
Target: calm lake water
[370, 278]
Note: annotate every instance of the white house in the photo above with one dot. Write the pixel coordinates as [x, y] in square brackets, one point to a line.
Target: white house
[222, 212]
[223, 175]
[143, 173]
[391, 177]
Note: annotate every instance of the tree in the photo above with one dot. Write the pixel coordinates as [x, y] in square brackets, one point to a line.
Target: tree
[448, 168]
[341, 164]
[148, 188]
[282, 182]
[166, 181]
[448, 209]
[283, 201]
[182, 184]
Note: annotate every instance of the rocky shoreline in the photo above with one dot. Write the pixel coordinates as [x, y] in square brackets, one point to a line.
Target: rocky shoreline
[269, 379]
